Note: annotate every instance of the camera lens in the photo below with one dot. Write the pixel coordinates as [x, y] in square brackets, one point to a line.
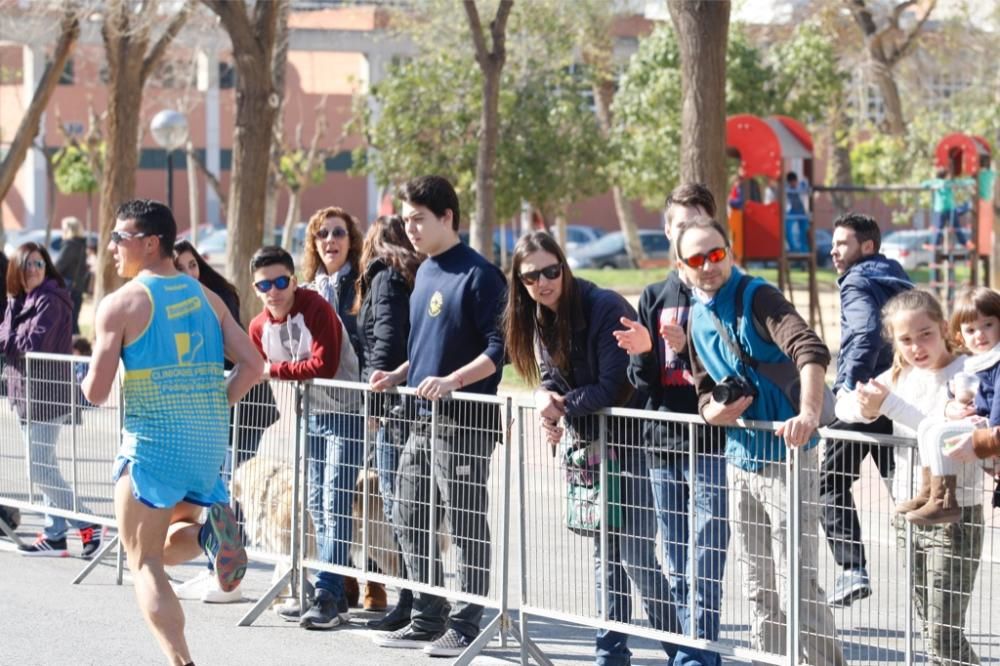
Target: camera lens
[723, 394]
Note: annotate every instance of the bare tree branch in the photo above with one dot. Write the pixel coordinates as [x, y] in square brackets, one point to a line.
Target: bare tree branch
[476, 25]
[212, 179]
[156, 53]
[911, 38]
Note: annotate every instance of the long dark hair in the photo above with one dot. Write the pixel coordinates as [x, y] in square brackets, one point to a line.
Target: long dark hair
[524, 319]
[207, 275]
[386, 240]
[15, 271]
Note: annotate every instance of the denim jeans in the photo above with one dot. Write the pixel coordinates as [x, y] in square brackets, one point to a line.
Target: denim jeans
[387, 450]
[675, 487]
[632, 560]
[336, 446]
[944, 219]
[41, 438]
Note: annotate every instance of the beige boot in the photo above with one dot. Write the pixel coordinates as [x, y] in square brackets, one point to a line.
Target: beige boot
[942, 507]
[921, 497]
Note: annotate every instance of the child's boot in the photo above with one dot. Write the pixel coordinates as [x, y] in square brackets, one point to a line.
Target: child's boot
[921, 497]
[942, 507]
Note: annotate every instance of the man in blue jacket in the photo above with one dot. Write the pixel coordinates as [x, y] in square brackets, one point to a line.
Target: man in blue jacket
[867, 280]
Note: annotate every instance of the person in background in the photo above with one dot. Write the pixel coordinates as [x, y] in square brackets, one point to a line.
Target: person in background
[330, 266]
[72, 264]
[796, 213]
[39, 319]
[942, 188]
[383, 289]
[4, 263]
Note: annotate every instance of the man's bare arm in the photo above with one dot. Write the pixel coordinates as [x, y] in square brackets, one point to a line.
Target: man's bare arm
[109, 329]
[248, 363]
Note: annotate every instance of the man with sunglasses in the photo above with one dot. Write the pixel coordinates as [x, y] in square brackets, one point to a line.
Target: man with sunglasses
[301, 337]
[661, 370]
[737, 324]
[172, 336]
[455, 344]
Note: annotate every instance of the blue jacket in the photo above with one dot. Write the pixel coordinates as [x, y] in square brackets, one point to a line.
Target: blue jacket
[752, 450]
[864, 289]
[987, 402]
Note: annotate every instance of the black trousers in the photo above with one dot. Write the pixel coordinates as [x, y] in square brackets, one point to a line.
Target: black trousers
[840, 468]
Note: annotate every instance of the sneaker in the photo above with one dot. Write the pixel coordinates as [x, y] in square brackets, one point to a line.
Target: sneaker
[224, 547]
[406, 638]
[205, 588]
[851, 586]
[90, 537]
[325, 612]
[394, 620]
[289, 610]
[450, 644]
[45, 547]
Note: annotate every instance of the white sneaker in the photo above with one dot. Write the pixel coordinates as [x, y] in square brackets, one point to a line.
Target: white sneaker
[205, 588]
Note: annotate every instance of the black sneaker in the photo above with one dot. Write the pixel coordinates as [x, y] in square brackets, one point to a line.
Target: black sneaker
[394, 620]
[406, 638]
[450, 644]
[44, 547]
[325, 612]
[90, 537]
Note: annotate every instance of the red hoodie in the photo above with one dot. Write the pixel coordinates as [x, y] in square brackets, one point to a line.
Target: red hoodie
[305, 344]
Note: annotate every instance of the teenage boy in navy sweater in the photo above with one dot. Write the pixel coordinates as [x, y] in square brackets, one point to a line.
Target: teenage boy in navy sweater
[455, 344]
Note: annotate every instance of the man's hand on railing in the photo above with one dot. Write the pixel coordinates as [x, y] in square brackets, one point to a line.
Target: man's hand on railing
[433, 388]
[798, 429]
[382, 380]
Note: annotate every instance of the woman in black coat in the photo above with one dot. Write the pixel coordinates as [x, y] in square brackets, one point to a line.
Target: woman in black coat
[383, 308]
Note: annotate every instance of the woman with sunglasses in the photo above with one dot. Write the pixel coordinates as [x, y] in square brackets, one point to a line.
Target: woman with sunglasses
[39, 318]
[570, 323]
[330, 267]
[383, 308]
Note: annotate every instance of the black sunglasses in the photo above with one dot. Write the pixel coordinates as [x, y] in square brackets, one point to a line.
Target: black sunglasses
[117, 237]
[549, 273]
[281, 282]
[336, 232]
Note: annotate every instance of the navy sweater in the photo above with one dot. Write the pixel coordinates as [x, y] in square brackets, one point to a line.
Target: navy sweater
[455, 312]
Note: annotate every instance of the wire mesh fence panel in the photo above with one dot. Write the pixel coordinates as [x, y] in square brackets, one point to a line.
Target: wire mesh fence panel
[263, 464]
[14, 482]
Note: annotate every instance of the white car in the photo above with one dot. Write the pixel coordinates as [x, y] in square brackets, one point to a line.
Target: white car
[910, 247]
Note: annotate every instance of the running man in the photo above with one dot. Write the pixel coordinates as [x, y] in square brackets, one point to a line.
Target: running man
[170, 333]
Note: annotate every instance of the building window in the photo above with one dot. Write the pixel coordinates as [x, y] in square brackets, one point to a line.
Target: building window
[227, 76]
[67, 78]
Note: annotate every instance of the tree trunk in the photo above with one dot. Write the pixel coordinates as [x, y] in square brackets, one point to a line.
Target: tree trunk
[491, 62]
[292, 217]
[702, 31]
[278, 66]
[256, 105]
[886, 82]
[839, 169]
[604, 91]
[27, 129]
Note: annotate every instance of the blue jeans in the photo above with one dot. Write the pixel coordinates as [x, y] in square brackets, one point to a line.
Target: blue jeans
[632, 557]
[796, 231]
[41, 438]
[946, 218]
[336, 446]
[674, 488]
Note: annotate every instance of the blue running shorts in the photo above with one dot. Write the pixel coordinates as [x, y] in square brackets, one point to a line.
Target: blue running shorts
[154, 493]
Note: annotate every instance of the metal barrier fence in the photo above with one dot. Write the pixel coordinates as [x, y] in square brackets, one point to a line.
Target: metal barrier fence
[610, 535]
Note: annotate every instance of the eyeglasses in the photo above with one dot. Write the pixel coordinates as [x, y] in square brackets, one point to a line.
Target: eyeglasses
[336, 232]
[549, 273]
[714, 256]
[34, 263]
[281, 282]
[117, 237]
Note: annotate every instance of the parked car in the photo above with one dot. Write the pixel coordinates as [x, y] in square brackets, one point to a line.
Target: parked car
[578, 235]
[609, 251]
[910, 247]
[18, 238]
[463, 235]
[212, 246]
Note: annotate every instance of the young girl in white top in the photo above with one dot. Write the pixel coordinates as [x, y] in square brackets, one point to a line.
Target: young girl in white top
[945, 557]
[975, 325]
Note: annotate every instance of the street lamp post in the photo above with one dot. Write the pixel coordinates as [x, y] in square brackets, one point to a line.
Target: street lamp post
[170, 131]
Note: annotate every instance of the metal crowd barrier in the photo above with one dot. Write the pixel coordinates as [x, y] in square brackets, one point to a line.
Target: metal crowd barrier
[597, 544]
[560, 558]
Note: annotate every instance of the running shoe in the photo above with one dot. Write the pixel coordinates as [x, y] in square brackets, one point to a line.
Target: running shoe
[90, 537]
[220, 537]
[45, 547]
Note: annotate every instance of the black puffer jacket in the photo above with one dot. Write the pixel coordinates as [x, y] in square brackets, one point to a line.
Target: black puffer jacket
[383, 322]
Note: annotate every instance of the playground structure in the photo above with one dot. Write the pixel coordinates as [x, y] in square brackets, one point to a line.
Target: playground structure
[768, 148]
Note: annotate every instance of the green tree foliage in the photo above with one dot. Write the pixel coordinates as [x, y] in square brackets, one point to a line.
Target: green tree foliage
[293, 166]
[646, 137]
[73, 172]
[809, 81]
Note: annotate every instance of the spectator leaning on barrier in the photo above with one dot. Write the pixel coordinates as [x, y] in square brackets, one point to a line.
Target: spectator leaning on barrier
[662, 371]
[945, 558]
[455, 344]
[569, 323]
[383, 309]
[299, 335]
[867, 281]
[39, 319]
[330, 267]
[171, 335]
[738, 322]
